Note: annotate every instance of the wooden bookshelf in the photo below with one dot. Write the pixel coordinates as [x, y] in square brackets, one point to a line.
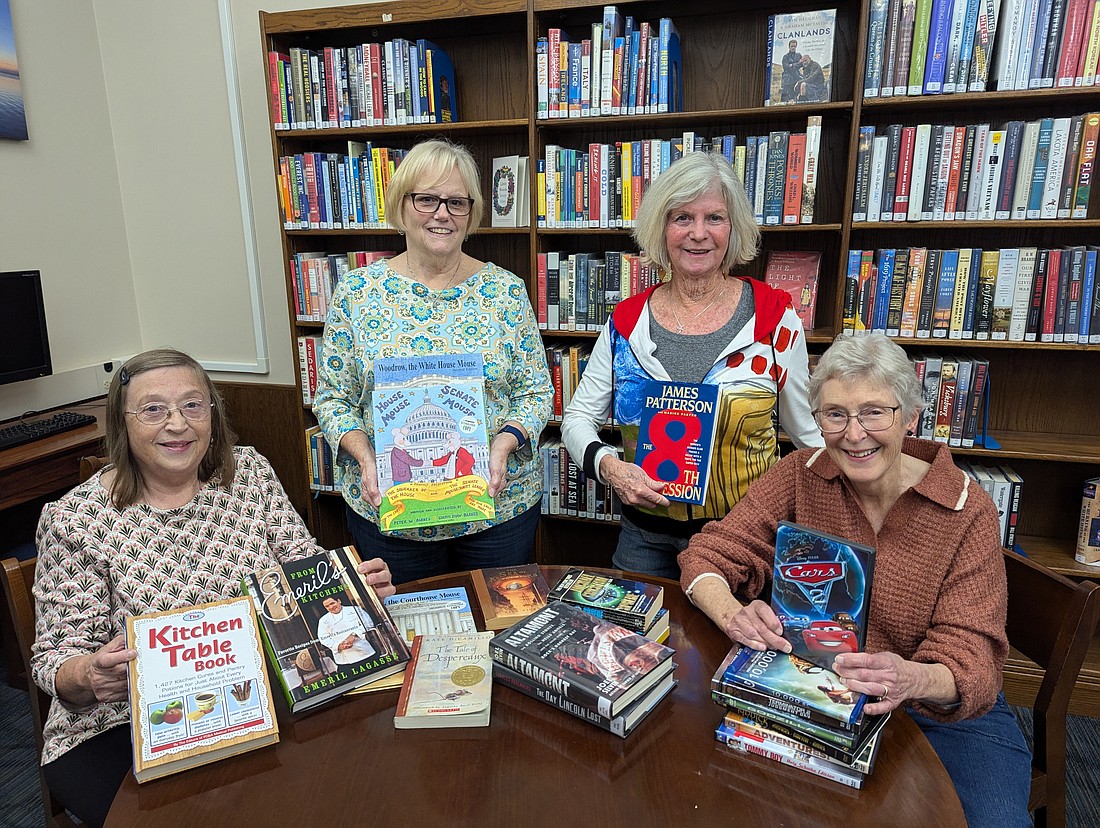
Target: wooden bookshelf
[1044, 397]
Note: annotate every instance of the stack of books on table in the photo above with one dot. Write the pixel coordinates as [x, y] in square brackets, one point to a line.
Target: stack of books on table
[790, 710]
[587, 666]
[635, 605]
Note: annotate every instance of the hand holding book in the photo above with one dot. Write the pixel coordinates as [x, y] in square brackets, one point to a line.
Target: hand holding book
[893, 680]
[633, 486]
[755, 625]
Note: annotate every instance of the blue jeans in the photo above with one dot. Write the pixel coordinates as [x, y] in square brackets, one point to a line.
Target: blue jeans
[988, 760]
[650, 553]
[506, 544]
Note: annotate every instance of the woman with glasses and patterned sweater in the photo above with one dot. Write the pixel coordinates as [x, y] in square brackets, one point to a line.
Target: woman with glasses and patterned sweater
[936, 628]
[177, 518]
[436, 299]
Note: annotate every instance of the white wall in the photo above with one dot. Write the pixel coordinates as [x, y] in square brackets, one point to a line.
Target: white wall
[126, 196]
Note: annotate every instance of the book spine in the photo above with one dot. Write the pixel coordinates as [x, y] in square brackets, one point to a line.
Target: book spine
[796, 759]
[922, 26]
[1070, 166]
[548, 677]
[769, 699]
[1086, 164]
[813, 736]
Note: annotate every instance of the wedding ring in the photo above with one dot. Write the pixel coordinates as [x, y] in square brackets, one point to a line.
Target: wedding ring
[885, 691]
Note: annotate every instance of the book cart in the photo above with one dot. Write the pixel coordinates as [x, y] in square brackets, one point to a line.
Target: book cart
[1044, 396]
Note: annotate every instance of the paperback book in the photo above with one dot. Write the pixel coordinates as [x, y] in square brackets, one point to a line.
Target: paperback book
[324, 629]
[431, 612]
[431, 440]
[592, 662]
[800, 57]
[508, 593]
[676, 435]
[795, 272]
[448, 683]
[198, 688]
[631, 604]
[821, 592]
[1088, 535]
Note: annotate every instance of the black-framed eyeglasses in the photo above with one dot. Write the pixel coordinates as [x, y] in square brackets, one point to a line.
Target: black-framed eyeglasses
[156, 413]
[872, 418]
[428, 203]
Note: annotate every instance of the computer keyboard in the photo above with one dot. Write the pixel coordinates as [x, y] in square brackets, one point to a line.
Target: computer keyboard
[27, 432]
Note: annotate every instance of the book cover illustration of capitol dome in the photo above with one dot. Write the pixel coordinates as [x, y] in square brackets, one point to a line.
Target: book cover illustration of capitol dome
[431, 440]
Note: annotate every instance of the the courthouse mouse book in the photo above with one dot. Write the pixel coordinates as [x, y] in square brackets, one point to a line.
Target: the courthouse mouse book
[588, 660]
[631, 604]
[789, 684]
[431, 612]
[821, 592]
[448, 683]
[676, 435]
[198, 688]
[622, 725]
[324, 629]
[431, 440]
[508, 593]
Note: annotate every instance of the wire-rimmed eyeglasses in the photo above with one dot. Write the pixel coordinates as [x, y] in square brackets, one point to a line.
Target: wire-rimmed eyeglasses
[873, 418]
[157, 413]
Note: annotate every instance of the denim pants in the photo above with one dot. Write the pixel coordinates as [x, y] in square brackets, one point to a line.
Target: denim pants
[988, 760]
[650, 553]
[506, 544]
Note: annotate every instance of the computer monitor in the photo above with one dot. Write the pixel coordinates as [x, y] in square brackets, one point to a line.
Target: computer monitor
[24, 345]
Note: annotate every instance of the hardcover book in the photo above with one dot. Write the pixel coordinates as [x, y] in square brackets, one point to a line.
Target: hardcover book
[324, 629]
[675, 437]
[431, 612]
[509, 593]
[631, 604]
[590, 661]
[1088, 535]
[431, 440]
[800, 57]
[789, 684]
[510, 195]
[448, 683]
[821, 592]
[198, 688]
[796, 272]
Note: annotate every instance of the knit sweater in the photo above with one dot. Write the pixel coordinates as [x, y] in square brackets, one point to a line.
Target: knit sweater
[939, 593]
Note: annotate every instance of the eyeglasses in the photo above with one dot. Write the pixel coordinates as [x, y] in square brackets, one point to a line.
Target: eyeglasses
[156, 413]
[875, 418]
[428, 203]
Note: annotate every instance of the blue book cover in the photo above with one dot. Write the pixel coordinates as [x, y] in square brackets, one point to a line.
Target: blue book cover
[1039, 172]
[775, 177]
[1087, 287]
[442, 88]
[675, 437]
[821, 592]
[430, 440]
[971, 311]
[882, 288]
[938, 34]
[945, 294]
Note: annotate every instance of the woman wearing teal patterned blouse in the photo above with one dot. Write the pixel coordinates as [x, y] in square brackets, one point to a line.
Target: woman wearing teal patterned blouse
[436, 299]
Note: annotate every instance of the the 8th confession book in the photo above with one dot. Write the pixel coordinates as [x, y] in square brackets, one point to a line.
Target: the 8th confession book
[431, 440]
[675, 437]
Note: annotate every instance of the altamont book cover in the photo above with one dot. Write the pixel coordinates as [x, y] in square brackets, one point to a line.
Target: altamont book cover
[591, 661]
[198, 688]
[800, 57]
[795, 272]
[631, 604]
[324, 628]
[676, 435]
[448, 683]
[508, 593]
[790, 684]
[431, 440]
[821, 592]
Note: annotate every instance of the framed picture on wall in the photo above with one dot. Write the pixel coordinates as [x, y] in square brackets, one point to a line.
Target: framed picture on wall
[13, 121]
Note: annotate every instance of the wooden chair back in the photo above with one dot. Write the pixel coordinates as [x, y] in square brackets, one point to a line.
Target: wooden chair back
[90, 465]
[1051, 620]
[18, 577]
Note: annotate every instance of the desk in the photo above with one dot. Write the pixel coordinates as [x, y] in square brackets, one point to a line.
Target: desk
[537, 766]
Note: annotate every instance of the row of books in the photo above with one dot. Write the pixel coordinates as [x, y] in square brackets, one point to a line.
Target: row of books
[1040, 169]
[566, 364]
[329, 190]
[1053, 43]
[578, 291]
[371, 84]
[325, 475]
[955, 390]
[1014, 294]
[315, 275]
[603, 186]
[623, 68]
[567, 490]
[1004, 486]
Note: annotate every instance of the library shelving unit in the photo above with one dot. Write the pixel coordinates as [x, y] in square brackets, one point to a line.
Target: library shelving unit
[1043, 397]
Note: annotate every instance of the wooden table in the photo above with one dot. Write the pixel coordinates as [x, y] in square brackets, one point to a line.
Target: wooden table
[345, 764]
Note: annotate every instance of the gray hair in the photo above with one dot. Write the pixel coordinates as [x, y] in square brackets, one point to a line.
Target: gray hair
[696, 174]
[874, 358]
[430, 163]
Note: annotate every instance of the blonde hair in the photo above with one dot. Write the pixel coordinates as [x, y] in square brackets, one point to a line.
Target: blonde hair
[430, 163]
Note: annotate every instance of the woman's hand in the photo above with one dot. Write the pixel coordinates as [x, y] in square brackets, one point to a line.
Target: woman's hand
[501, 446]
[893, 680]
[98, 677]
[358, 445]
[633, 485]
[377, 574]
[757, 626]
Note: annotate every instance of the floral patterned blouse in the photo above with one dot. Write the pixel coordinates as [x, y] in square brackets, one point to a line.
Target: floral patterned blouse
[98, 565]
[377, 312]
